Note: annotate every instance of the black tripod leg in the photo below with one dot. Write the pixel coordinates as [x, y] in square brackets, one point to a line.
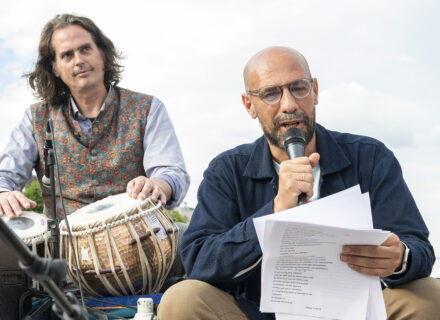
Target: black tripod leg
[42, 308]
[27, 294]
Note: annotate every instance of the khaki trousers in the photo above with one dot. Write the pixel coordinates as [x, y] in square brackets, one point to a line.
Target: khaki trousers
[197, 300]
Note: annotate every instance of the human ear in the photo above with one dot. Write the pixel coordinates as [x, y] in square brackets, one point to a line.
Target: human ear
[315, 91]
[248, 105]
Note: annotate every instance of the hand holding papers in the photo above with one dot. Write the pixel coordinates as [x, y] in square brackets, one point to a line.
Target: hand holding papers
[302, 275]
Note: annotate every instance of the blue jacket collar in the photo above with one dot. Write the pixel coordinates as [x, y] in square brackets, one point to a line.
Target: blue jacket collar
[260, 165]
[333, 158]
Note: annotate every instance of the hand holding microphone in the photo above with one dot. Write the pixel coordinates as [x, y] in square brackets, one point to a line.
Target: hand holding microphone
[296, 174]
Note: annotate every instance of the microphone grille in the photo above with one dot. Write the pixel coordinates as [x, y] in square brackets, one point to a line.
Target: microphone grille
[294, 135]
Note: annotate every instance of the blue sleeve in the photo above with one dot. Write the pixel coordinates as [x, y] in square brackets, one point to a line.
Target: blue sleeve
[220, 243]
[162, 154]
[19, 157]
[394, 209]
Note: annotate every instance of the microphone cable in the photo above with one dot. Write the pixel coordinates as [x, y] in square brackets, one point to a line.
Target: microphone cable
[65, 216]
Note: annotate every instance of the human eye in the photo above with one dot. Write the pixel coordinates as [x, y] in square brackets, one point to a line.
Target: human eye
[300, 88]
[66, 55]
[86, 48]
[270, 94]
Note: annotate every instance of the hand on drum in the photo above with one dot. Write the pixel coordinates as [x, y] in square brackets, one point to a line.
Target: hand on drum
[141, 187]
[13, 202]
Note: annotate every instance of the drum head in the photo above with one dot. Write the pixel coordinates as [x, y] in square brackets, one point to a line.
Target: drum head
[104, 209]
[30, 225]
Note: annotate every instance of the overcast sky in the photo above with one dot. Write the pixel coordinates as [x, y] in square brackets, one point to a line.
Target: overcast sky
[376, 63]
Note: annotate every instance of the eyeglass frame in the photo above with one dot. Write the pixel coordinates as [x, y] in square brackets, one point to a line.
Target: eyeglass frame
[256, 92]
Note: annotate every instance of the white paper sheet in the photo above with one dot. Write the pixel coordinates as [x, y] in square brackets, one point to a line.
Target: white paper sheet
[302, 276]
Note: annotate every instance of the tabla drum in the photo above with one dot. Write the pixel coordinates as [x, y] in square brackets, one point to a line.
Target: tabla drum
[123, 246]
[31, 228]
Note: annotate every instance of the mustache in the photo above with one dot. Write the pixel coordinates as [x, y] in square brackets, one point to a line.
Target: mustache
[81, 69]
[290, 116]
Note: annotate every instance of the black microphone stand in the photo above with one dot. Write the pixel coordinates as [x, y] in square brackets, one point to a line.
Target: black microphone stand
[45, 271]
[49, 182]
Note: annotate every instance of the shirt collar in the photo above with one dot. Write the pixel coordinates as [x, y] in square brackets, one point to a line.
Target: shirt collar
[77, 113]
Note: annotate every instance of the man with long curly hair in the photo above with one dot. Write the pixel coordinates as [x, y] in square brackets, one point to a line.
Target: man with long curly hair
[108, 139]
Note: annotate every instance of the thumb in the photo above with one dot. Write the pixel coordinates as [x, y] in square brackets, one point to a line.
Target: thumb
[314, 159]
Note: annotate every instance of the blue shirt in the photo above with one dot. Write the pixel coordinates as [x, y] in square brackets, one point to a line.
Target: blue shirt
[162, 155]
[241, 184]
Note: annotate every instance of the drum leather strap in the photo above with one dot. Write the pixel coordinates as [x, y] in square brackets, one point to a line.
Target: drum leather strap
[83, 280]
[112, 265]
[138, 246]
[118, 256]
[103, 279]
[146, 269]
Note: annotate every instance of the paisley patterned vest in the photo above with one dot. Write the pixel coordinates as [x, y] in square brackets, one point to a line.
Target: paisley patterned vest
[102, 165]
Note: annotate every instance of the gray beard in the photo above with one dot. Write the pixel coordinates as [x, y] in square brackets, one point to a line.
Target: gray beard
[277, 139]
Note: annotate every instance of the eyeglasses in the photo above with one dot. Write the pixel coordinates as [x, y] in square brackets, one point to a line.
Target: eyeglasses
[272, 94]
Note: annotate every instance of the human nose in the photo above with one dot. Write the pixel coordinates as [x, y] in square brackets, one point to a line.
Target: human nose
[287, 102]
[78, 58]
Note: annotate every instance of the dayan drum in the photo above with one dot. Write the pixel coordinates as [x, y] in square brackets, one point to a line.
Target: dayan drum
[123, 246]
[31, 228]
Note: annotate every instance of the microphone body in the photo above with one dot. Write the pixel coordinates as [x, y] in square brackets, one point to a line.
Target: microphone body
[295, 143]
[48, 147]
[295, 150]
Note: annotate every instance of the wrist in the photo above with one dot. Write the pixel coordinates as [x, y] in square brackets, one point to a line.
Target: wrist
[164, 186]
[404, 263]
[277, 205]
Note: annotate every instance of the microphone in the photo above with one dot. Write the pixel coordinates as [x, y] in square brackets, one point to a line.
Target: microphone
[48, 145]
[295, 143]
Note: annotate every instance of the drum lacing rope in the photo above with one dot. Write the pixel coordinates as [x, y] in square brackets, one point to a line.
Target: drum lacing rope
[112, 224]
[110, 243]
[30, 240]
[164, 267]
[128, 218]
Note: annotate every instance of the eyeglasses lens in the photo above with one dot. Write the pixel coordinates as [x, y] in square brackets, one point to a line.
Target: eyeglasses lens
[271, 95]
[298, 89]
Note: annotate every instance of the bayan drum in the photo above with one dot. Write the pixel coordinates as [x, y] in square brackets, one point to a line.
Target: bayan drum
[31, 228]
[123, 246]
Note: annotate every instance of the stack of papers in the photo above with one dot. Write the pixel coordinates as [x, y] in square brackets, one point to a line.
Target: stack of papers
[302, 275]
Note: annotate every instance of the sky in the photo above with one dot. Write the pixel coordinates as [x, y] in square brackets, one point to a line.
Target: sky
[376, 63]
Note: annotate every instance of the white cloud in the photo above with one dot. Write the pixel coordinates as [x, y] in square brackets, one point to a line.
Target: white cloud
[14, 69]
[372, 59]
[404, 58]
[16, 98]
[397, 120]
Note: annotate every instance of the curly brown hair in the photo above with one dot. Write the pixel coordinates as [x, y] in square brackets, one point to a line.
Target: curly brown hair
[42, 79]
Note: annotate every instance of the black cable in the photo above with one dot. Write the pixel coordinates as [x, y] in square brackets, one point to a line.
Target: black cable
[65, 218]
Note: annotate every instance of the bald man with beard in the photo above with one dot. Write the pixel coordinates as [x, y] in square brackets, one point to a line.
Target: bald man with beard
[220, 249]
